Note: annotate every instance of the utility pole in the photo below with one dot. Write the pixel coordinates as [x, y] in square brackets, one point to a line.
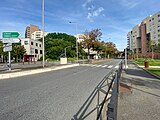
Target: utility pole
[76, 39]
[9, 60]
[126, 59]
[43, 30]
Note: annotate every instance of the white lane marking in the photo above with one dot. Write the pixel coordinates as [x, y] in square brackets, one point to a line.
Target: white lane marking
[94, 65]
[110, 66]
[104, 66]
[98, 65]
[116, 66]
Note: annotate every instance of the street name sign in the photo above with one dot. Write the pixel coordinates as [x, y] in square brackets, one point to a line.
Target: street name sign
[11, 40]
[7, 47]
[10, 34]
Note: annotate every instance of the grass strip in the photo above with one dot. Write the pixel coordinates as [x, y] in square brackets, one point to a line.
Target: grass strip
[155, 71]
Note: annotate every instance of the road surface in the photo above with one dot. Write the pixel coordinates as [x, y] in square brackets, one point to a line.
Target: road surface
[55, 95]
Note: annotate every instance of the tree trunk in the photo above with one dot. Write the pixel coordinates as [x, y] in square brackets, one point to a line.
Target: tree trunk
[88, 54]
[152, 54]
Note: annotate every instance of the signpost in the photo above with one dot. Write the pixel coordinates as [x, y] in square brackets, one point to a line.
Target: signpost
[11, 40]
[7, 47]
[10, 34]
[8, 39]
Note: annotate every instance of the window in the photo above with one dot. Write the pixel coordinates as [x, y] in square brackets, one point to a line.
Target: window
[158, 20]
[36, 51]
[25, 42]
[154, 27]
[154, 37]
[158, 35]
[159, 30]
[31, 43]
[40, 45]
[154, 32]
[159, 15]
[36, 44]
[40, 51]
[152, 18]
[149, 20]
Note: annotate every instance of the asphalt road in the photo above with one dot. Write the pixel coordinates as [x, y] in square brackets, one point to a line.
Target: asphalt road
[55, 95]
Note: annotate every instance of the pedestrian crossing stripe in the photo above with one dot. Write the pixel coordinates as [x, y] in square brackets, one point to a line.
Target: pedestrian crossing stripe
[110, 66]
[116, 67]
[103, 66]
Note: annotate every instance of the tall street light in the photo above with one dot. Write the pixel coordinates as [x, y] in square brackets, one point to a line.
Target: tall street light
[76, 39]
[105, 51]
[65, 49]
[43, 29]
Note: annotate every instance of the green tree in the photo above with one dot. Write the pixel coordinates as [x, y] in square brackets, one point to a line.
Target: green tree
[91, 40]
[55, 43]
[18, 51]
[152, 45]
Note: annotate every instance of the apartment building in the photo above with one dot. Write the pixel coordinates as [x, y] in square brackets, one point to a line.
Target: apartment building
[141, 36]
[38, 35]
[30, 29]
[33, 49]
[80, 38]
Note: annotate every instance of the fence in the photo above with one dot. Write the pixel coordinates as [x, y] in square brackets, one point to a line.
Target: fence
[105, 93]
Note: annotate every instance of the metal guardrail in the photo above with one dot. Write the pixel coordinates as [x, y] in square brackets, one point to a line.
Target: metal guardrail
[105, 93]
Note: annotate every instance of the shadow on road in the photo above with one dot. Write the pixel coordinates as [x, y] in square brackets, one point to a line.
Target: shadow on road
[91, 107]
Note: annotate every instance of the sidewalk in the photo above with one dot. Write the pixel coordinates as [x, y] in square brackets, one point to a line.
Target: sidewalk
[139, 97]
[19, 72]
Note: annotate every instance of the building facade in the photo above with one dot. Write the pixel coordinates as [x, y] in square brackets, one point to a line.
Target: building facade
[38, 35]
[141, 36]
[30, 29]
[80, 38]
[33, 49]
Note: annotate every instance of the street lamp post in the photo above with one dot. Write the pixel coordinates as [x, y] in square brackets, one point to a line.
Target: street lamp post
[43, 29]
[65, 49]
[76, 39]
[105, 52]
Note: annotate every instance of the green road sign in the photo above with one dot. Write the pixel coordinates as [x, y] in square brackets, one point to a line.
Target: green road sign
[10, 34]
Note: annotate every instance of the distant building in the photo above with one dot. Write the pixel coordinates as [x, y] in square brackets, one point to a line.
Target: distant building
[80, 38]
[38, 35]
[30, 29]
[141, 35]
[33, 49]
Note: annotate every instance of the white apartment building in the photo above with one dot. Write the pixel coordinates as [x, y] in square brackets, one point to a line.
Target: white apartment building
[33, 49]
[153, 26]
[80, 37]
[130, 41]
[38, 35]
[148, 30]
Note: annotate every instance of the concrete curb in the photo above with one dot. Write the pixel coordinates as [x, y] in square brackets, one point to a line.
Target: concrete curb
[30, 72]
[147, 71]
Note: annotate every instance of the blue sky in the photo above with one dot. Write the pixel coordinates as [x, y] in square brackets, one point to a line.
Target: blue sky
[115, 18]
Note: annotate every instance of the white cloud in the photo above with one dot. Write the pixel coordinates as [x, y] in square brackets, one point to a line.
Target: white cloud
[87, 2]
[91, 8]
[129, 3]
[95, 13]
[98, 11]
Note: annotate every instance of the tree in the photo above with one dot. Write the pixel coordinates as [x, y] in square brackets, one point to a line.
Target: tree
[91, 40]
[111, 48]
[17, 51]
[152, 45]
[55, 43]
